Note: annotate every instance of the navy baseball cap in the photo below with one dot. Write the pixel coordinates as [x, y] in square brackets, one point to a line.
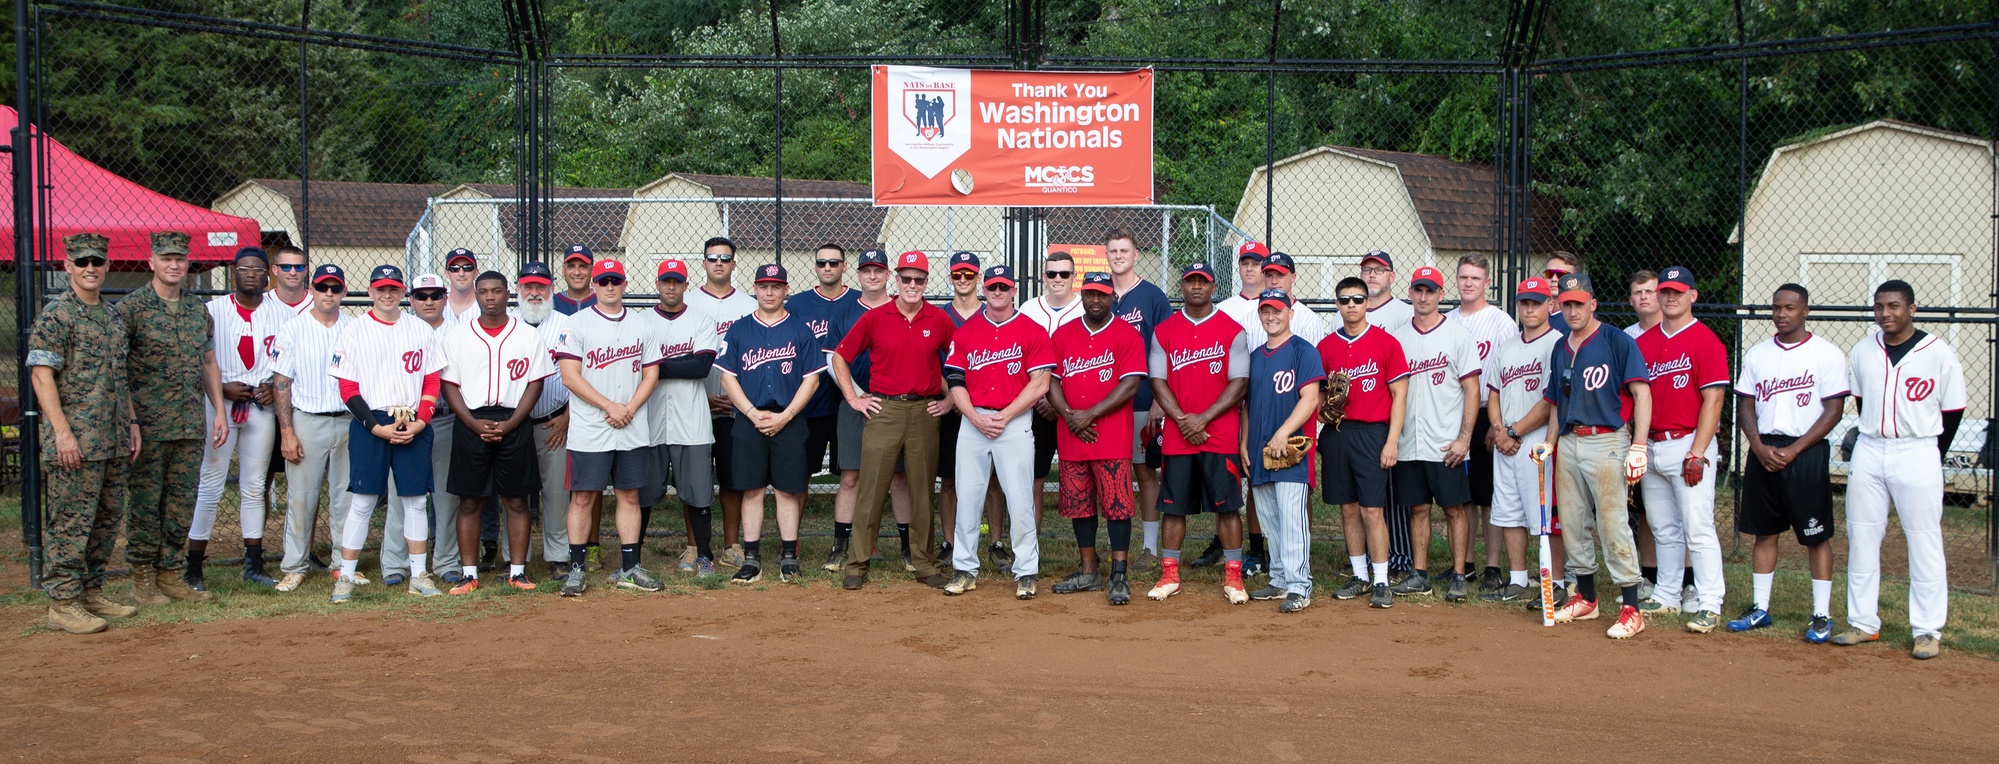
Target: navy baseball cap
[874, 257]
[772, 273]
[999, 274]
[386, 275]
[1386, 262]
[460, 253]
[1575, 288]
[1098, 281]
[1275, 298]
[534, 272]
[1278, 261]
[256, 252]
[578, 252]
[1197, 269]
[961, 261]
[1676, 278]
[329, 271]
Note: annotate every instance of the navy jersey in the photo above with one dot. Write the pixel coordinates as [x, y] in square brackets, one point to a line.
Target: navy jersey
[771, 361]
[844, 316]
[1588, 385]
[1143, 307]
[821, 314]
[1275, 377]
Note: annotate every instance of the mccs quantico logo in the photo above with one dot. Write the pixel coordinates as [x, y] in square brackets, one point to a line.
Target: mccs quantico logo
[1917, 388]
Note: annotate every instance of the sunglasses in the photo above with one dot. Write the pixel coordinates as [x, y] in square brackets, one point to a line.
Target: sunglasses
[914, 279]
[329, 287]
[1058, 274]
[463, 268]
[719, 258]
[828, 263]
[292, 267]
[426, 295]
[999, 288]
[610, 280]
[1553, 272]
[1351, 299]
[252, 269]
[963, 276]
[91, 261]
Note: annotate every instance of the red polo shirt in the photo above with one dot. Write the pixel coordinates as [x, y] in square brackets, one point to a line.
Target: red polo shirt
[907, 354]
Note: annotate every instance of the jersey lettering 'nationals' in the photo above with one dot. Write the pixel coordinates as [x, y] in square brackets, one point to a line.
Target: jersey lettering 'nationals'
[1788, 384]
[1090, 364]
[997, 358]
[1197, 359]
[678, 409]
[1439, 362]
[771, 361]
[1371, 361]
[1521, 374]
[388, 361]
[1681, 365]
[612, 352]
[824, 316]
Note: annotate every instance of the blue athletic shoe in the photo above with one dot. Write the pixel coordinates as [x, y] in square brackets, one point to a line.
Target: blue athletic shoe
[1753, 618]
[395, 579]
[1820, 631]
[453, 577]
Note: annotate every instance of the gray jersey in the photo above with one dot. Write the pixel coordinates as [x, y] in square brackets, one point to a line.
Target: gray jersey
[1391, 315]
[678, 409]
[1306, 323]
[1521, 370]
[613, 353]
[1439, 361]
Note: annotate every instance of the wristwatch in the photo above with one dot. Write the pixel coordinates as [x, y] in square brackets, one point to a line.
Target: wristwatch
[1511, 434]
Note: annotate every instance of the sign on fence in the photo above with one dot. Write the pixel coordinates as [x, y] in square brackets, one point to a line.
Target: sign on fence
[1087, 258]
[1011, 138]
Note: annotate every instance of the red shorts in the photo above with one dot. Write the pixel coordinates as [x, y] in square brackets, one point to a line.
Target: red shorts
[1097, 486]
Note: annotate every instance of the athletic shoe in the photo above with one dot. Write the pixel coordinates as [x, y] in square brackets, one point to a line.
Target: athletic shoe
[638, 578]
[491, 559]
[732, 557]
[558, 570]
[836, 558]
[1510, 592]
[908, 565]
[934, 581]
[961, 582]
[1293, 603]
[787, 568]
[704, 567]
[1656, 606]
[1232, 588]
[1209, 556]
[1853, 636]
[749, 572]
[1382, 596]
[422, 585]
[593, 559]
[521, 582]
[315, 565]
[1819, 631]
[256, 575]
[1169, 580]
[1690, 601]
[1120, 590]
[465, 586]
[1255, 565]
[1352, 588]
[1703, 622]
[1023, 588]
[1396, 577]
[361, 580]
[343, 590]
[686, 562]
[1267, 592]
[1753, 618]
[853, 583]
[1576, 609]
[1078, 582]
[1415, 584]
[1492, 581]
[1645, 590]
[192, 576]
[1927, 647]
[1629, 623]
[577, 581]
[291, 582]
[1458, 590]
[453, 577]
[393, 580]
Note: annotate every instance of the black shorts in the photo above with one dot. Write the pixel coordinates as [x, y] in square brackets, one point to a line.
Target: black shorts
[1798, 499]
[777, 461]
[1351, 459]
[1044, 449]
[480, 469]
[1431, 483]
[947, 445]
[1481, 463]
[725, 430]
[594, 471]
[1204, 482]
[1155, 450]
[822, 438]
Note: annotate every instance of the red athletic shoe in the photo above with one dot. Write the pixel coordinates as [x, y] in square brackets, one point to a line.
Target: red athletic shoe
[521, 582]
[1629, 623]
[1169, 580]
[1232, 583]
[466, 586]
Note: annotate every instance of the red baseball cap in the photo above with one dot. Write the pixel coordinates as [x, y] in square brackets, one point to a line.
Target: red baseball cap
[672, 268]
[1252, 249]
[1427, 275]
[913, 259]
[606, 267]
[1535, 287]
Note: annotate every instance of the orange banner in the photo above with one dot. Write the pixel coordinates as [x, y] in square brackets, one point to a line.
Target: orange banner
[1010, 138]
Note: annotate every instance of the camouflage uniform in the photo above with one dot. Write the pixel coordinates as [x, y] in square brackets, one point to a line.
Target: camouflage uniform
[85, 345]
[168, 341]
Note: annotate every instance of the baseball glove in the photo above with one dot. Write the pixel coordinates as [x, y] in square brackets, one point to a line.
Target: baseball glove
[1295, 449]
[401, 416]
[1333, 407]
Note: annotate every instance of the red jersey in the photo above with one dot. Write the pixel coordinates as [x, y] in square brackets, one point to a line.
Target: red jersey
[998, 358]
[907, 354]
[1370, 361]
[1681, 365]
[1197, 359]
[1090, 365]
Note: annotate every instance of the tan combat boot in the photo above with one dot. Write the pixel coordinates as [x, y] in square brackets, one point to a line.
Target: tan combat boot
[94, 601]
[168, 583]
[70, 616]
[145, 589]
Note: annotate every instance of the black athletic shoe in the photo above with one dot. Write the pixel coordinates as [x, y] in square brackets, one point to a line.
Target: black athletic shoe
[1001, 556]
[1415, 584]
[1079, 582]
[749, 573]
[1492, 580]
[1254, 564]
[1352, 588]
[491, 559]
[1382, 597]
[1210, 556]
[853, 583]
[1120, 590]
[192, 576]
[787, 568]
[1510, 592]
[1458, 590]
[316, 565]
[1267, 592]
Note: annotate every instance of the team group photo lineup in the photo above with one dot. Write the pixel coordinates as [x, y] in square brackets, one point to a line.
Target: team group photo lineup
[490, 423]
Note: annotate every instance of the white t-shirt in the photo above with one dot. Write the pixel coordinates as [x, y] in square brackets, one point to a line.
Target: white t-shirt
[1392, 315]
[612, 351]
[1908, 399]
[1520, 372]
[388, 361]
[1039, 311]
[1439, 361]
[1790, 383]
[678, 410]
[494, 370]
[725, 310]
[1306, 323]
[1490, 328]
[1635, 329]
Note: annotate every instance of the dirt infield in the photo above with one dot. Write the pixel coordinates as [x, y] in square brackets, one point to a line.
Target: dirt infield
[898, 672]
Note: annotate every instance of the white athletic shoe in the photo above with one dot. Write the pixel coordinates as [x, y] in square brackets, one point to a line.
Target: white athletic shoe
[1163, 590]
[1690, 600]
[1235, 594]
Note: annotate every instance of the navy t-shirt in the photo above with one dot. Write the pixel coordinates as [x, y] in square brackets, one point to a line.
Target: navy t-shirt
[1275, 377]
[771, 361]
[1143, 307]
[1588, 385]
[821, 314]
[844, 316]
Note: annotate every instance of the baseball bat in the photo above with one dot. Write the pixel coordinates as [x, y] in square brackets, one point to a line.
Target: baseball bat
[1547, 553]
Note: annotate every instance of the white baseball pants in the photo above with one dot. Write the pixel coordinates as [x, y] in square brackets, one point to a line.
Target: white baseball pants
[1907, 472]
[1286, 516]
[1010, 456]
[1682, 519]
[324, 441]
[1516, 486]
[250, 442]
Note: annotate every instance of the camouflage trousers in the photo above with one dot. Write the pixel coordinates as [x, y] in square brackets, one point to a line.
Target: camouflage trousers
[83, 510]
[163, 484]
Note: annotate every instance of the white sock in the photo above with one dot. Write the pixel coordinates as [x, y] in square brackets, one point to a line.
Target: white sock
[517, 570]
[1760, 584]
[347, 568]
[1518, 578]
[471, 571]
[1359, 566]
[1380, 573]
[1151, 536]
[1822, 597]
[419, 562]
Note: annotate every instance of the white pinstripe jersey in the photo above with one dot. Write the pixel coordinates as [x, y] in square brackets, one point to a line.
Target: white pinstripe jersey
[243, 347]
[388, 361]
[1907, 399]
[494, 370]
[554, 394]
[1490, 328]
[302, 353]
[303, 307]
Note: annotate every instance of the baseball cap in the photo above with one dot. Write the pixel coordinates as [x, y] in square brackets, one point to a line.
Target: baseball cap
[772, 272]
[963, 261]
[1386, 262]
[386, 275]
[84, 245]
[1536, 289]
[874, 257]
[461, 253]
[1427, 275]
[1251, 250]
[606, 267]
[912, 259]
[1676, 278]
[170, 243]
[1197, 269]
[999, 274]
[256, 252]
[672, 269]
[427, 281]
[1275, 298]
[1575, 288]
[534, 272]
[1097, 281]
[329, 272]
[1278, 261]
[578, 252]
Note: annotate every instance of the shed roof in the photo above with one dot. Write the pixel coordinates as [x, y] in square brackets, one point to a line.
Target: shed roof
[1810, 141]
[1456, 201]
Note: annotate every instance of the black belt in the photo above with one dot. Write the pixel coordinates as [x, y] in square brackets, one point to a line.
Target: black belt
[340, 413]
[907, 398]
[551, 415]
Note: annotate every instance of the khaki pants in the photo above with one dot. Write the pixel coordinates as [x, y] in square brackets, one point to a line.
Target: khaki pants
[905, 429]
[1589, 485]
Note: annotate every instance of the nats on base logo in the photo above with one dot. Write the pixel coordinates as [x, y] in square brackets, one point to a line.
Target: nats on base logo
[926, 130]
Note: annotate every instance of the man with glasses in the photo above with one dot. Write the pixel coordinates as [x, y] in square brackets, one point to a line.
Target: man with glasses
[677, 414]
[577, 295]
[1058, 305]
[494, 366]
[874, 276]
[1644, 289]
[1689, 373]
[1282, 403]
[550, 417]
[1383, 310]
[1490, 327]
[719, 298]
[171, 369]
[770, 369]
[1198, 363]
[460, 268]
[1143, 305]
[76, 354]
[1359, 450]
[246, 325]
[610, 370]
[1437, 428]
[288, 282]
[819, 308]
[312, 422]
[427, 295]
[1559, 264]
[966, 303]
[907, 339]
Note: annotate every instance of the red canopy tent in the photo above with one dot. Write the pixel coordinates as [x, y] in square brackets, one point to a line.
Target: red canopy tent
[87, 198]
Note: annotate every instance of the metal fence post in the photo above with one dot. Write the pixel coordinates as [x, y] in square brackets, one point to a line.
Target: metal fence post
[25, 294]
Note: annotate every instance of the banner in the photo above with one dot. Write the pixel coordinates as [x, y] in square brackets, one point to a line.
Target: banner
[1011, 138]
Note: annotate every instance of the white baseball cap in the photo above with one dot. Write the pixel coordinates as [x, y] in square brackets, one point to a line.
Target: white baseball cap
[427, 281]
